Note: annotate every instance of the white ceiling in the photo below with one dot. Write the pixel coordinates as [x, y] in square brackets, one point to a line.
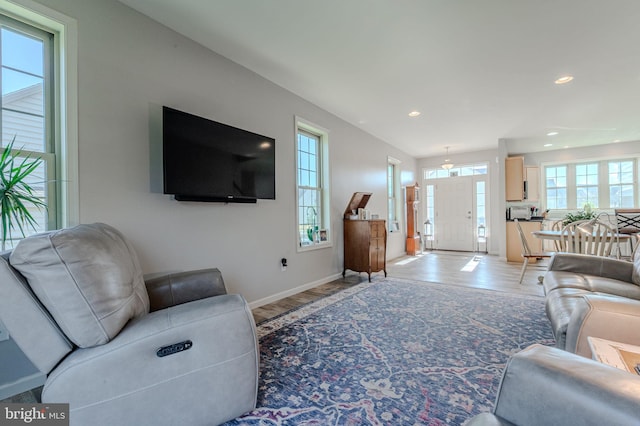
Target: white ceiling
[478, 71]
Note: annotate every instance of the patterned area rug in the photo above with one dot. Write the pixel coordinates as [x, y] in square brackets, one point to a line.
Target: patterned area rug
[394, 352]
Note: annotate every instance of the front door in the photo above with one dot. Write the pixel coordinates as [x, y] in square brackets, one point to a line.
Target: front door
[454, 214]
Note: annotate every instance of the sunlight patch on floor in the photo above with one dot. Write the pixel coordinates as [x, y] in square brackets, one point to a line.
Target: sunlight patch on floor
[471, 265]
[408, 260]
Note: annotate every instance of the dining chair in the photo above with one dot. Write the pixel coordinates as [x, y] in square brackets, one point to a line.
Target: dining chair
[592, 237]
[527, 254]
[628, 222]
[557, 226]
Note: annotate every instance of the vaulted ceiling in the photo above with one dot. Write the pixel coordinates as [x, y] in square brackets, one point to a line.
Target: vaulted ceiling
[477, 71]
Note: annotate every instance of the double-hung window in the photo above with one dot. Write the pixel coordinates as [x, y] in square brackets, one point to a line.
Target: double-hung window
[393, 185]
[27, 105]
[38, 79]
[587, 184]
[603, 184]
[621, 183]
[312, 178]
[556, 187]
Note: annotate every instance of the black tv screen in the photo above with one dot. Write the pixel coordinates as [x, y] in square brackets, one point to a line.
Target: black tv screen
[204, 160]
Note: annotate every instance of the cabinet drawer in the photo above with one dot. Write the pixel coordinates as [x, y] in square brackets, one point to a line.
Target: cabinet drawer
[377, 254]
[377, 229]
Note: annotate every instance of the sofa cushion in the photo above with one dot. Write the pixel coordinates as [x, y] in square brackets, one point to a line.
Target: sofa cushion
[572, 280]
[88, 277]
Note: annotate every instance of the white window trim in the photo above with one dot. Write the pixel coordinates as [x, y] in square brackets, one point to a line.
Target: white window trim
[397, 191]
[303, 124]
[65, 30]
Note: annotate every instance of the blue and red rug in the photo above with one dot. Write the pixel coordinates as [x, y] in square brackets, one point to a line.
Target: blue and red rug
[394, 352]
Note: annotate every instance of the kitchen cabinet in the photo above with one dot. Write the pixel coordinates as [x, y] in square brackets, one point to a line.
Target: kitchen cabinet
[518, 177]
[514, 178]
[532, 177]
[514, 245]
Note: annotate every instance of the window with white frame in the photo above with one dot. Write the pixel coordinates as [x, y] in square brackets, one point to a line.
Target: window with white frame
[429, 206]
[455, 171]
[556, 187]
[39, 103]
[27, 105]
[621, 184]
[481, 204]
[312, 190]
[393, 185]
[587, 184]
[604, 184]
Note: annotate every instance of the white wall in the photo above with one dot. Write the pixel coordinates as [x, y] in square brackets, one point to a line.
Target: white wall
[128, 67]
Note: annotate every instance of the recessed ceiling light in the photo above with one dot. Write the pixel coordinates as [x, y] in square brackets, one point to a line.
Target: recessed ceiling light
[547, 145]
[414, 113]
[564, 79]
[616, 141]
[552, 133]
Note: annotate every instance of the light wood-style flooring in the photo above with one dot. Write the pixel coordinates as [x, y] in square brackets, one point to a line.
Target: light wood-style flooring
[467, 269]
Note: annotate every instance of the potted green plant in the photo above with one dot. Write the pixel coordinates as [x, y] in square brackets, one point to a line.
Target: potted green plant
[585, 214]
[16, 195]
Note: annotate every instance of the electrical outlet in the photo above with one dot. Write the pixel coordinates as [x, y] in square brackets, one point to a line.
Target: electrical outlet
[283, 264]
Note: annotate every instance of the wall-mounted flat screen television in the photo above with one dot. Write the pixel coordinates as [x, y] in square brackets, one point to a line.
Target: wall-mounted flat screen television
[204, 160]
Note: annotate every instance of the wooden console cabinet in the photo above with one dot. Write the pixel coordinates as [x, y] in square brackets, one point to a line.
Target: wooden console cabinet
[365, 240]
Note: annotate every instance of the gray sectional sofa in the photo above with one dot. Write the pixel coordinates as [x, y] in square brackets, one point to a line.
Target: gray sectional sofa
[548, 386]
[585, 296]
[592, 296]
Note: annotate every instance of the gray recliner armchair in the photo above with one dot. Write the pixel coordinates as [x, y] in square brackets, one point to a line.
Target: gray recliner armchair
[174, 350]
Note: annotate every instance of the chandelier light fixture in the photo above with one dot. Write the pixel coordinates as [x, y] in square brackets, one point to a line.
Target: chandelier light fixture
[447, 163]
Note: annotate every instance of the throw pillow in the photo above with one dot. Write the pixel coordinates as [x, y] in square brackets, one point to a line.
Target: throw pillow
[88, 277]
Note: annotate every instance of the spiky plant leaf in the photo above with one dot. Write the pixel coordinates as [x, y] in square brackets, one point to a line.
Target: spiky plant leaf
[16, 195]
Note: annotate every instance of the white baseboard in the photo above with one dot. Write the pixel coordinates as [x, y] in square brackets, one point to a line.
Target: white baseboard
[291, 292]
